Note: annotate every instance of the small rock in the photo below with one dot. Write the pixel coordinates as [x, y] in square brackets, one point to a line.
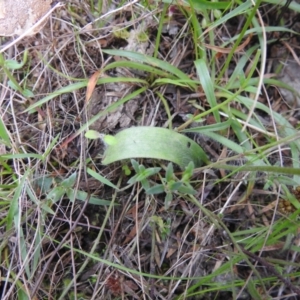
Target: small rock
[16, 17]
[290, 74]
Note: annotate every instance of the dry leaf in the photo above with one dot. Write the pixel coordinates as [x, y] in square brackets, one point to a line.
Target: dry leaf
[228, 50]
[91, 85]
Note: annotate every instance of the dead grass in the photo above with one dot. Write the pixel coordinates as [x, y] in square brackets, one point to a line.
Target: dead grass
[237, 237]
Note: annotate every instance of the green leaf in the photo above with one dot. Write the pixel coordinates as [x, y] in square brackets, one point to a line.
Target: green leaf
[168, 199]
[145, 184]
[169, 172]
[293, 5]
[208, 86]
[136, 66]
[187, 174]
[13, 64]
[174, 185]
[3, 133]
[187, 190]
[126, 170]
[148, 172]
[149, 60]
[93, 134]
[22, 155]
[101, 178]
[70, 181]
[56, 193]
[133, 179]
[28, 93]
[68, 89]
[155, 143]
[157, 189]
[158, 221]
[13, 211]
[221, 139]
[201, 4]
[82, 196]
[109, 139]
[135, 165]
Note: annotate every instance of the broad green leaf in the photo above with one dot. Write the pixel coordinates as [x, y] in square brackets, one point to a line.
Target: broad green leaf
[156, 143]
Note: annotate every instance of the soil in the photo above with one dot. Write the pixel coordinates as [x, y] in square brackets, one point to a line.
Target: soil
[69, 50]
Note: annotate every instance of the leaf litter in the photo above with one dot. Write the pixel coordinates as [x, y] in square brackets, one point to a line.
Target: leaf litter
[138, 249]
